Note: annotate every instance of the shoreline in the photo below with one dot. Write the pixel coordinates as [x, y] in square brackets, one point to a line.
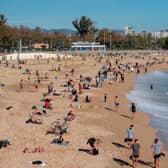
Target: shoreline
[153, 69]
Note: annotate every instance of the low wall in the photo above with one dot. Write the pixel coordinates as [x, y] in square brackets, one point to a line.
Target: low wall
[41, 55]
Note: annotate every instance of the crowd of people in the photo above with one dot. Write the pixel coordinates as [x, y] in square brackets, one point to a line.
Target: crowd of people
[74, 87]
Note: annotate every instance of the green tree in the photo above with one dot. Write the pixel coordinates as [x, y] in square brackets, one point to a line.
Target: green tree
[165, 45]
[84, 26]
[3, 20]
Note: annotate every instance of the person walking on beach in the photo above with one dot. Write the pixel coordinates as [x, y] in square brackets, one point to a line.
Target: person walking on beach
[21, 84]
[135, 152]
[156, 150]
[133, 110]
[130, 135]
[105, 97]
[116, 103]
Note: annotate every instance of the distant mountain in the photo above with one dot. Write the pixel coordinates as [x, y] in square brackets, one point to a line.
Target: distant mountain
[64, 31]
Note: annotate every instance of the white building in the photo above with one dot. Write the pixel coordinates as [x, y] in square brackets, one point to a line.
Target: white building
[129, 30]
[87, 46]
[160, 34]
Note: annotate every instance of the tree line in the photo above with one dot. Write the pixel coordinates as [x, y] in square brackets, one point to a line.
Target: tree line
[85, 31]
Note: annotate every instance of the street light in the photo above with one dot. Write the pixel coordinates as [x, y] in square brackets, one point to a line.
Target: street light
[19, 50]
[110, 40]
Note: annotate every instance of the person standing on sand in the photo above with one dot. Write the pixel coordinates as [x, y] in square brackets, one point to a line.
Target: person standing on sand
[133, 110]
[21, 84]
[105, 97]
[156, 153]
[135, 152]
[116, 103]
[130, 135]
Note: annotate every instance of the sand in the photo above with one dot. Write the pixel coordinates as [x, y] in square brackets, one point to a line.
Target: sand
[96, 119]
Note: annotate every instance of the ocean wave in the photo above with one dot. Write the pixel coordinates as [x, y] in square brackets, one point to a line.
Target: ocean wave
[161, 116]
[159, 73]
[147, 104]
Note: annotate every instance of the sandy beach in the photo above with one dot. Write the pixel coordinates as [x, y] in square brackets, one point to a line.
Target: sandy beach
[94, 119]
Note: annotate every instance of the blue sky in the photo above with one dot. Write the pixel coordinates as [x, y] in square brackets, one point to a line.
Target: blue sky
[150, 15]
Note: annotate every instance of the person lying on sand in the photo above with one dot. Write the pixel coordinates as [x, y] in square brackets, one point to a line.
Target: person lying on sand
[39, 111]
[70, 116]
[33, 150]
[60, 141]
[57, 130]
[34, 120]
[55, 93]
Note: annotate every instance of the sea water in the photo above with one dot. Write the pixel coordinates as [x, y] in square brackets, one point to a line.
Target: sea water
[151, 95]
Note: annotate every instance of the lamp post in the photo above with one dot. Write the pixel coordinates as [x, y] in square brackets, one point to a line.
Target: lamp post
[110, 40]
[19, 50]
[104, 38]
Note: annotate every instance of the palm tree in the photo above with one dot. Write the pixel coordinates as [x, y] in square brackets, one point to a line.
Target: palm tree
[3, 20]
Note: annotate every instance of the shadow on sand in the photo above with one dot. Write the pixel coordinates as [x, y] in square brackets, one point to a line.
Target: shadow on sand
[119, 145]
[110, 109]
[125, 116]
[84, 150]
[122, 162]
[149, 164]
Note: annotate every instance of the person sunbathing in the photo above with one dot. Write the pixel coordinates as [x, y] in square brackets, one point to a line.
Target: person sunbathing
[39, 111]
[33, 119]
[57, 130]
[60, 140]
[70, 116]
[55, 93]
[33, 150]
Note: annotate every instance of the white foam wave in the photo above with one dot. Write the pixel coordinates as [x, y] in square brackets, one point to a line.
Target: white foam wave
[161, 116]
[160, 73]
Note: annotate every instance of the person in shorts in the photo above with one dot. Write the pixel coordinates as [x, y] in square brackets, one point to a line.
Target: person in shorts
[156, 150]
[135, 152]
[130, 135]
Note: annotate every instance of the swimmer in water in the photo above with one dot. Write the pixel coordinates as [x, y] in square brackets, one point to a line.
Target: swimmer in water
[151, 86]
